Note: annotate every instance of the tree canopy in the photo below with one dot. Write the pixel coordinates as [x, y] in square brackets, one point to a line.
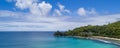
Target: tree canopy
[109, 30]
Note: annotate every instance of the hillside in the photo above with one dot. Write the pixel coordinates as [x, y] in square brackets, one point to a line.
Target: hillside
[109, 30]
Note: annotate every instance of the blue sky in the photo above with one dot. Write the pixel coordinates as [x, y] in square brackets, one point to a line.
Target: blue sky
[52, 15]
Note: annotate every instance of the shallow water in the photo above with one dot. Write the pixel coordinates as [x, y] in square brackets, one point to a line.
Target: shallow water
[46, 40]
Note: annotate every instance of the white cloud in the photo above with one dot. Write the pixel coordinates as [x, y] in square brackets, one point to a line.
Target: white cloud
[23, 26]
[61, 10]
[45, 7]
[53, 23]
[84, 12]
[38, 18]
[61, 6]
[9, 0]
[41, 9]
[57, 13]
[24, 4]
[5, 13]
[92, 11]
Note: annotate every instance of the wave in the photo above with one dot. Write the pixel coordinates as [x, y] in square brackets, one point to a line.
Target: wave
[103, 41]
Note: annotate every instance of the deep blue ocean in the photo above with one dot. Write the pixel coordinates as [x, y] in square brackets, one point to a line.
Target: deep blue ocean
[46, 40]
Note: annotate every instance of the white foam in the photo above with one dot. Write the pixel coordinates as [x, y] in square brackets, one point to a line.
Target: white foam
[103, 41]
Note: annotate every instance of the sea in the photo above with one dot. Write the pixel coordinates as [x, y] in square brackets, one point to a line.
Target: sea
[45, 39]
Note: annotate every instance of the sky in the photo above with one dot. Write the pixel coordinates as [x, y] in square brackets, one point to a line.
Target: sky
[53, 15]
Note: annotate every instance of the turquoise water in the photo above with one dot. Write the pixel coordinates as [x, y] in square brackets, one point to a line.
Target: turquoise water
[46, 40]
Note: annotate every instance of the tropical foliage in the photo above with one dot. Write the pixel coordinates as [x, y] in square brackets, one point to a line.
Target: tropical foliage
[109, 30]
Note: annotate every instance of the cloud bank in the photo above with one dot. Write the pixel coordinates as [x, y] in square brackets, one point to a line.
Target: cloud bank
[40, 18]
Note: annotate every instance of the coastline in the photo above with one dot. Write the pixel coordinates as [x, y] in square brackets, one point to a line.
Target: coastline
[102, 39]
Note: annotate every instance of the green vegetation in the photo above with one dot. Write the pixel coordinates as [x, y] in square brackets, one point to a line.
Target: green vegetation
[58, 33]
[109, 30]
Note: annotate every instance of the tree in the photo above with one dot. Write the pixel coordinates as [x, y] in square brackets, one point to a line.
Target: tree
[109, 30]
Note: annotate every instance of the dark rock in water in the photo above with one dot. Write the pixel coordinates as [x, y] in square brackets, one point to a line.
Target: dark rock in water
[58, 33]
